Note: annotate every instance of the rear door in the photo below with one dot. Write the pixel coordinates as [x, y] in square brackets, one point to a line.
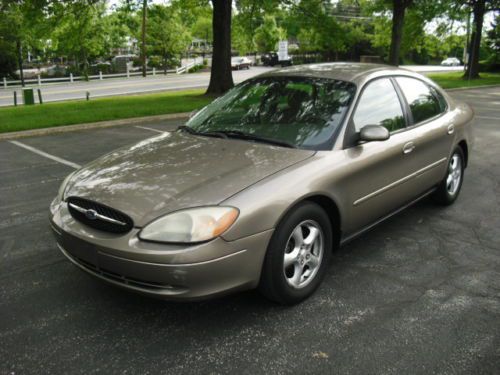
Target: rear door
[432, 130]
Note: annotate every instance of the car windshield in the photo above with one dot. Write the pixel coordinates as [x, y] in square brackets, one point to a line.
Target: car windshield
[303, 112]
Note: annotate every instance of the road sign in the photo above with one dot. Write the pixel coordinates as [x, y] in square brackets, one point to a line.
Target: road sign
[283, 50]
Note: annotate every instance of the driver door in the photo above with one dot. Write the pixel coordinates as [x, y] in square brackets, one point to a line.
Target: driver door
[379, 177]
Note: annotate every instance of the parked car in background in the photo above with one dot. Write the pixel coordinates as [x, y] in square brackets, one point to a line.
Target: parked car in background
[260, 186]
[272, 59]
[122, 62]
[451, 61]
[238, 63]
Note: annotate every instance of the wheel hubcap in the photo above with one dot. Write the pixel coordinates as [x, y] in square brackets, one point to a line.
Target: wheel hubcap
[454, 174]
[303, 254]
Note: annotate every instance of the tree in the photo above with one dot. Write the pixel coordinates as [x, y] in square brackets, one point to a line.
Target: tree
[316, 28]
[267, 35]
[202, 29]
[18, 26]
[221, 77]
[398, 16]
[10, 41]
[478, 8]
[80, 32]
[250, 15]
[493, 45]
[167, 36]
[143, 36]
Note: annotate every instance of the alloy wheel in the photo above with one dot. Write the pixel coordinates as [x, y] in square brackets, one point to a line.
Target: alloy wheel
[303, 254]
[454, 174]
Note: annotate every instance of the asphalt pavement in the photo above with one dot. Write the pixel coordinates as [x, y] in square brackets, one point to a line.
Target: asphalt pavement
[124, 86]
[137, 85]
[418, 294]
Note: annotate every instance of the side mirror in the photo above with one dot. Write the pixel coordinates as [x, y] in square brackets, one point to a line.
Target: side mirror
[370, 133]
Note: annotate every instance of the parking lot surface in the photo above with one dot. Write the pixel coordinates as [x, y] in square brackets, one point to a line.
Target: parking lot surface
[418, 294]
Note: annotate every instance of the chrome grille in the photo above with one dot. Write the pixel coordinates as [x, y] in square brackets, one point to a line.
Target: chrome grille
[99, 216]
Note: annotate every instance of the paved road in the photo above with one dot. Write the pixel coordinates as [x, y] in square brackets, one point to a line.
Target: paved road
[124, 86]
[135, 85]
[419, 294]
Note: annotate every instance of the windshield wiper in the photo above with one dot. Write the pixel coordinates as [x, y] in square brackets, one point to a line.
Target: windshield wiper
[190, 130]
[237, 134]
[242, 135]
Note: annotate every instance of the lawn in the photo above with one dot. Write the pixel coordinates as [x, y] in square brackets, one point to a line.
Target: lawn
[119, 107]
[455, 80]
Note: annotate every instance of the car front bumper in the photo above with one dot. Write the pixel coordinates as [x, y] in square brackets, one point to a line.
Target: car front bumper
[174, 272]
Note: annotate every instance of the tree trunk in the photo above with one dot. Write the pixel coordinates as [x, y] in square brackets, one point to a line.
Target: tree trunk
[473, 64]
[19, 50]
[221, 77]
[85, 65]
[398, 17]
[143, 31]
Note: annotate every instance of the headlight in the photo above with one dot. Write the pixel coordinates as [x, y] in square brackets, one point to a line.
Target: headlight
[191, 225]
[62, 188]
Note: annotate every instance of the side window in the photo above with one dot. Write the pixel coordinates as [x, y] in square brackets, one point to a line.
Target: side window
[379, 105]
[442, 101]
[423, 103]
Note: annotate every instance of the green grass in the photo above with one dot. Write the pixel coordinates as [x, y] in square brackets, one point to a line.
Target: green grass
[455, 80]
[112, 108]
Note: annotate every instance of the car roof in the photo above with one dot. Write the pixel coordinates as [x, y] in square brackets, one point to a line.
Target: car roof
[344, 71]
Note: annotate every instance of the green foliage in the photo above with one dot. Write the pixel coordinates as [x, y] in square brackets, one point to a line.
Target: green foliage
[8, 37]
[267, 35]
[80, 33]
[86, 32]
[492, 47]
[22, 30]
[167, 36]
[202, 28]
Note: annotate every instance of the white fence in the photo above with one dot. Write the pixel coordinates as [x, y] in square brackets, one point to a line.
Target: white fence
[152, 72]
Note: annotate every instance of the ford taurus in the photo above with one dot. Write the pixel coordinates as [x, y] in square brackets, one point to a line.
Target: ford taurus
[258, 188]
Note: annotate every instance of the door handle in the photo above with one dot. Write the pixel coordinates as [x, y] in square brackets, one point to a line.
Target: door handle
[451, 129]
[408, 147]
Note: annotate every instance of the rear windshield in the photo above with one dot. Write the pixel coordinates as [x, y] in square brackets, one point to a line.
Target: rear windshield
[305, 112]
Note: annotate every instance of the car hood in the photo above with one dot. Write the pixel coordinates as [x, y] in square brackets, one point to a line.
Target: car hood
[177, 170]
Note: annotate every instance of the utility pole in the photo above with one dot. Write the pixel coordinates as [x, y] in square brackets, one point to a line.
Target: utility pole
[19, 48]
[144, 18]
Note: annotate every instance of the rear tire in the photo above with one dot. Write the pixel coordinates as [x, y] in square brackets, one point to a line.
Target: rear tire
[448, 190]
[298, 255]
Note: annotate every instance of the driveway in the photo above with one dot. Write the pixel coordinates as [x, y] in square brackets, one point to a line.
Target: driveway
[418, 294]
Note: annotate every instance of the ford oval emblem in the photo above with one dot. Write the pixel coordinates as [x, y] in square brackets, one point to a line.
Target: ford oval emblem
[91, 214]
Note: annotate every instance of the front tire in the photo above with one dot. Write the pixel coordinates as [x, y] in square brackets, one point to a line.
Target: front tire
[298, 255]
[448, 190]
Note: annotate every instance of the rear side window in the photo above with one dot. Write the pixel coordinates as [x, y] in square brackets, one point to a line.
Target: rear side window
[442, 101]
[423, 103]
[379, 105]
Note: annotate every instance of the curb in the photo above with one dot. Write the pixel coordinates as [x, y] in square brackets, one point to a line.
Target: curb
[92, 125]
